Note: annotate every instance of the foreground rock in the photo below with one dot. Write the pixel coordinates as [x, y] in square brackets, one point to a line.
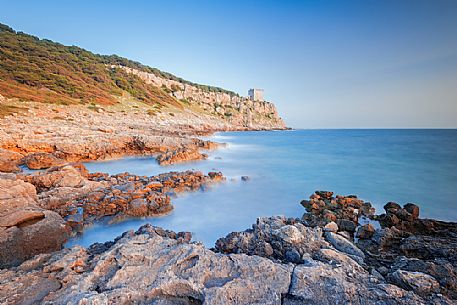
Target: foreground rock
[154, 266]
[25, 228]
[39, 210]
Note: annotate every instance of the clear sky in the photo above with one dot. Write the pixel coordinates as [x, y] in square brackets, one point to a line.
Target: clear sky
[326, 64]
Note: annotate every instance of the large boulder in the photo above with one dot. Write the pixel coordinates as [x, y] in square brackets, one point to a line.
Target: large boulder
[342, 244]
[421, 283]
[41, 160]
[25, 228]
[281, 238]
[9, 161]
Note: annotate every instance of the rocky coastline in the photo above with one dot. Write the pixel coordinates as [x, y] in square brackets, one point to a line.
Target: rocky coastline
[340, 251]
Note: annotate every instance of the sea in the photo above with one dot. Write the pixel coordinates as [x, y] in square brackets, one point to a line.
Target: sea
[285, 167]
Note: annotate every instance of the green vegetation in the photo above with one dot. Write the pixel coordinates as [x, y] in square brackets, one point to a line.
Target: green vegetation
[45, 71]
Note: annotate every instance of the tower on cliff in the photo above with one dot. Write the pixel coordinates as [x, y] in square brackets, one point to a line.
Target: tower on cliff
[255, 94]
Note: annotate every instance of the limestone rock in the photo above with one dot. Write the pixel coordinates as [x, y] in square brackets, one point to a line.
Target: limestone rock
[343, 245]
[274, 237]
[9, 161]
[26, 229]
[154, 266]
[421, 283]
[41, 160]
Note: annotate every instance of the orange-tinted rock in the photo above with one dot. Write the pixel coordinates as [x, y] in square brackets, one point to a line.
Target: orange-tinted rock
[180, 155]
[26, 229]
[20, 217]
[42, 161]
[9, 161]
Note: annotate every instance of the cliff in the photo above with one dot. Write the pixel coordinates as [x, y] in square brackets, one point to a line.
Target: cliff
[236, 110]
[43, 71]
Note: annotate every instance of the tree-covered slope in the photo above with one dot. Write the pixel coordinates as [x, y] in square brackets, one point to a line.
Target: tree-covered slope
[45, 71]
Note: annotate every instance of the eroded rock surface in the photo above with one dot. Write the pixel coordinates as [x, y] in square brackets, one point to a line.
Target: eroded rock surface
[156, 266]
[416, 254]
[151, 266]
[25, 228]
[82, 198]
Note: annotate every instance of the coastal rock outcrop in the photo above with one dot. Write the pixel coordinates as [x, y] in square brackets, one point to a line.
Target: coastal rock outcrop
[415, 254]
[41, 160]
[180, 155]
[280, 238]
[157, 266]
[151, 266]
[81, 198]
[25, 228]
[9, 161]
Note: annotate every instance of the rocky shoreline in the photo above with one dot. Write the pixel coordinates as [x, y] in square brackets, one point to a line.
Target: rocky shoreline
[340, 251]
[333, 254]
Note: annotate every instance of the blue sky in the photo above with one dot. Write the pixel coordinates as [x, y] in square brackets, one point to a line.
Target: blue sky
[326, 64]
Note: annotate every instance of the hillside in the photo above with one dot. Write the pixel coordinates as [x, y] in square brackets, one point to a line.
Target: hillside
[40, 70]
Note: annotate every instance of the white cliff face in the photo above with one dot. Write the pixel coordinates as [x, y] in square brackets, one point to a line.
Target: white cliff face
[240, 112]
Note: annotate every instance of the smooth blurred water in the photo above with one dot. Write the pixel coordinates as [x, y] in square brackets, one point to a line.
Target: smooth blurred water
[287, 166]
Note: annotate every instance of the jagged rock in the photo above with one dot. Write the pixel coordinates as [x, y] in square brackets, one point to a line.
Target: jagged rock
[331, 227]
[343, 245]
[324, 194]
[274, 237]
[320, 283]
[421, 283]
[346, 225]
[81, 198]
[323, 208]
[9, 161]
[367, 209]
[158, 266]
[366, 231]
[413, 209]
[388, 220]
[392, 207]
[153, 266]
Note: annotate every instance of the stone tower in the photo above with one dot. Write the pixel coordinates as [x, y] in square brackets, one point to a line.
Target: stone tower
[255, 94]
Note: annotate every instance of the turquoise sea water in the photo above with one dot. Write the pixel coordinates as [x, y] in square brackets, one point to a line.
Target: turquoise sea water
[285, 167]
